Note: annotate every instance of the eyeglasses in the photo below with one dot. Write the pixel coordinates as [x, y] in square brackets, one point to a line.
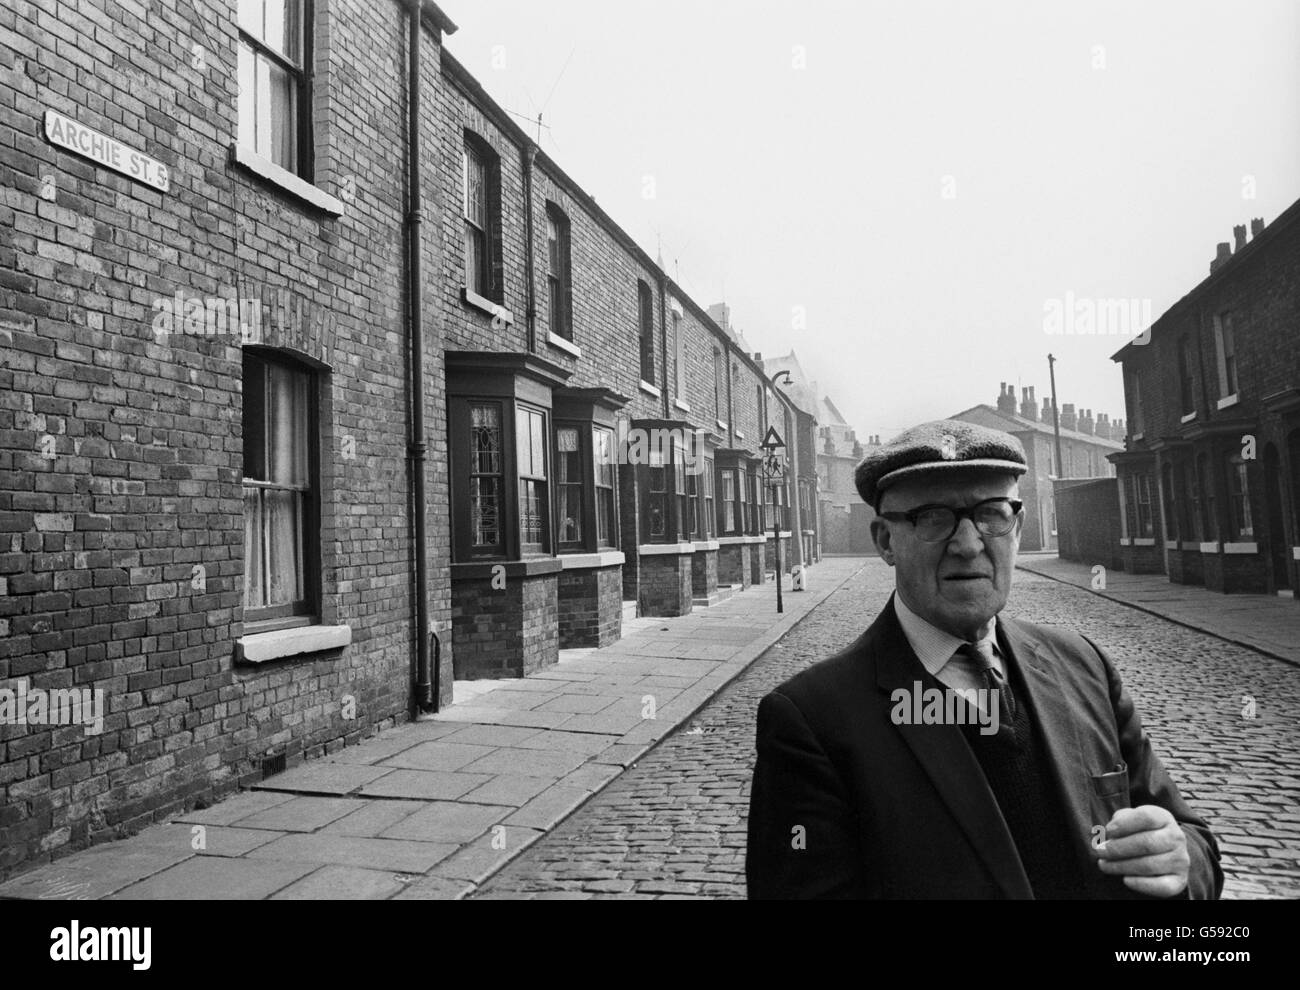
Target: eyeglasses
[938, 523]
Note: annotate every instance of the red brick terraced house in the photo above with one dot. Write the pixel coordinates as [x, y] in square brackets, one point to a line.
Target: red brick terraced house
[1209, 480]
[320, 387]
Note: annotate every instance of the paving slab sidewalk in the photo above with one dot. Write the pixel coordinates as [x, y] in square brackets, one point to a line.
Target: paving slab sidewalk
[430, 810]
[1267, 623]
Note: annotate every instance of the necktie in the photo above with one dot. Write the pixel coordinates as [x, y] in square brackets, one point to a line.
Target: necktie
[980, 658]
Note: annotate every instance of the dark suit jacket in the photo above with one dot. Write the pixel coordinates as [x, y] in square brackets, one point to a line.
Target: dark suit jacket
[904, 811]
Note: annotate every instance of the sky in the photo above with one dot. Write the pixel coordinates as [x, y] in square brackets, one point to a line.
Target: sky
[906, 192]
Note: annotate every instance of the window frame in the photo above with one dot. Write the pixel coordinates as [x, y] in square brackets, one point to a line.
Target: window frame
[1241, 516]
[559, 283]
[307, 609]
[1225, 343]
[1186, 380]
[590, 540]
[301, 75]
[646, 328]
[523, 413]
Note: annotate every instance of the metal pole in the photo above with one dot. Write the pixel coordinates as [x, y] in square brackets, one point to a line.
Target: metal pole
[776, 535]
[1056, 417]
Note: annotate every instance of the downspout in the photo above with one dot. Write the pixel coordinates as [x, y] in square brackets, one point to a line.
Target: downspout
[528, 154]
[663, 335]
[427, 672]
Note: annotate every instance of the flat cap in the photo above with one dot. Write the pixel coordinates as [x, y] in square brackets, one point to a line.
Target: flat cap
[944, 445]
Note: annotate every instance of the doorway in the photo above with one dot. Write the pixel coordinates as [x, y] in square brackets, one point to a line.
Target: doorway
[1279, 552]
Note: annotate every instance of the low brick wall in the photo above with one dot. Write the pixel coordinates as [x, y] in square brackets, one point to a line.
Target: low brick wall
[1087, 522]
[734, 565]
[769, 558]
[757, 562]
[1236, 573]
[704, 573]
[590, 607]
[666, 584]
[508, 631]
[1186, 567]
[1145, 559]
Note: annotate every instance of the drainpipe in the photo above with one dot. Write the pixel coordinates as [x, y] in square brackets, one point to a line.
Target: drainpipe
[427, 672]
[663, 337]
[528, 154]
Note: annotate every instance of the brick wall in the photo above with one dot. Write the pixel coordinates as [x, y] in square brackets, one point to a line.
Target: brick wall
[704, 574]
[665, 585]
[590, 607]
[144, 483]
[1087, 521]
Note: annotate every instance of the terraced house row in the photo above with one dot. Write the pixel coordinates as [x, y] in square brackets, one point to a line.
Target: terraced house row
[322, 386]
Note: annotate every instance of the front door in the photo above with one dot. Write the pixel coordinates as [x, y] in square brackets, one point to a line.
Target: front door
[1278, 549]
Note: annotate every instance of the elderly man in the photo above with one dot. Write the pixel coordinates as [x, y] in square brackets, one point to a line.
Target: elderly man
[952, 752]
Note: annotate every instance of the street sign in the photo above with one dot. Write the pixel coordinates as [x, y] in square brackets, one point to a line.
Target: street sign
[773, 439]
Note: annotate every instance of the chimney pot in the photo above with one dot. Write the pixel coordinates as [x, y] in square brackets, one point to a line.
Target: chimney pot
[1223, 254]
[1256, 227]
[1239, 235]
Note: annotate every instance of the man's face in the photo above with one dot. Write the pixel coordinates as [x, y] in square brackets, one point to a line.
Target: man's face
[960, 584]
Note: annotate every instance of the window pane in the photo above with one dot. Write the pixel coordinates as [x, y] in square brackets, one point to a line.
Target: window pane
[473, 259]
[286, 429]
[475, 188]
[485, 511]
[536, 423]
[568, 477]
[530, 514]
[283, 536]
[247, 96]
[282, 28]
[605, 517]
[283, 134]
[254, 587]
[485, 439]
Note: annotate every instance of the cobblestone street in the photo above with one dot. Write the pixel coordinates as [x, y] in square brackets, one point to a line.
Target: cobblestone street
[674, 824]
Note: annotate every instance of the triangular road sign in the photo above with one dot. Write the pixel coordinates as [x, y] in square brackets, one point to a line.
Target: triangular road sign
[773, 439]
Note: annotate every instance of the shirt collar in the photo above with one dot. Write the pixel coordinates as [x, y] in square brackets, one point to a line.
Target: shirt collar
[933, 646]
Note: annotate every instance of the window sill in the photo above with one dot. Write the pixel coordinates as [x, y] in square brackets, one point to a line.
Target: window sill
[1228, 401]
[649, 389]
[703, 545]
[739, 435]
[723, 426]
[1241, 548]
[665, 549]
[1295, 553]
[564, 345]
[1188, 418]
[1209, 548]
[284, 643]
[1190, 547]
[1171, 544]
[485, 305]
[731, 541]
[1144, 541]
[683, 406]
[297, 186]
[589, 561]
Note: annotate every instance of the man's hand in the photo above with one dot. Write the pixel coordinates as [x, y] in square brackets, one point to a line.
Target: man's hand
[1147, 847]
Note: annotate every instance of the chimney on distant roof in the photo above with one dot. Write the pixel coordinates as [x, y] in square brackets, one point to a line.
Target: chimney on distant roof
[1117, 430]
[1087, 424]
[1224, 254]
[1256, 227]
[1102, 428]
[1239, 235]
[1046, 417]
[1028, 405]
[1068, 419]
[1007, 399]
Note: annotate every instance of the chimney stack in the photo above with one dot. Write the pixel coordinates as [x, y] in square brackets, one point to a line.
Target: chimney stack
[1224, 253]
[1047, 410]
[1117, 430]
[857, 450]
[1007, 399]
[1028, 407]
[1087, 424]
[1103, 426]
[1068, 419]
[1239, 235]
[1256, 227]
